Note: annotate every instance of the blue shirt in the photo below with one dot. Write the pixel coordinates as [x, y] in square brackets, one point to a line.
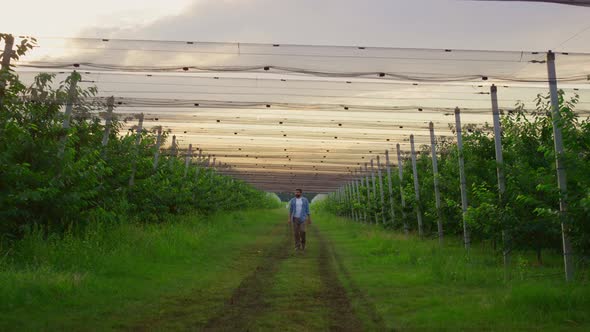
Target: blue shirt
[304, 209]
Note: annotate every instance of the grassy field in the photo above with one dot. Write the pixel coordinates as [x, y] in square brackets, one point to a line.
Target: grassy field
[414, 284]
[238, 271]
[132, 276]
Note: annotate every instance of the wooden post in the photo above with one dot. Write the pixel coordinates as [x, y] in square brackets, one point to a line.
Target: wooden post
[462, 178]
[560, 166]
[400, 168]
[6, 56]
[157, 152]
[137, 142]
[436, 178]
[416, 188]
[379, 175]
[390, 186]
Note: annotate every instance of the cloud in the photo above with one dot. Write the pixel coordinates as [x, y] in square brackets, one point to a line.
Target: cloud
[418, 23]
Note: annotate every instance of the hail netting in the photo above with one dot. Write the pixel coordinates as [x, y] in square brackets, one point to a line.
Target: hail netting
[328, 61]
[188, 90]
[305, 114]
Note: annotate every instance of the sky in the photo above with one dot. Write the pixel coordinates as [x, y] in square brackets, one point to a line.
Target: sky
[456, 24]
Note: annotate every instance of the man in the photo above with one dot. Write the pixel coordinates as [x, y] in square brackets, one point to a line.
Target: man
[299, 216]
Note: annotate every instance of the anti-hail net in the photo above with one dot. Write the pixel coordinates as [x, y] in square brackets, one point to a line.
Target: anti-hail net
[284, 115]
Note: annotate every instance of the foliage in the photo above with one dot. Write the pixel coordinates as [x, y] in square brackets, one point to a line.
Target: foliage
[529, 210]
[58, 178]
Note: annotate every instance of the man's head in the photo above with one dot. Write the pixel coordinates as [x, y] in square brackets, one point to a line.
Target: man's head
[298, 193]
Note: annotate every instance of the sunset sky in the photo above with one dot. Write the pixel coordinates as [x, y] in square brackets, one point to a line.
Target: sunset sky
[417, 23]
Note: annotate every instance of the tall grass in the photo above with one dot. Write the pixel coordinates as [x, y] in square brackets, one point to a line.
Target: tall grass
[417, 284]
[74, 280]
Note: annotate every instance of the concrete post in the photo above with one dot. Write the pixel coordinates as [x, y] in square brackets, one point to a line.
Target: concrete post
[137, 142]
[68, 112]
[560, 165]
[501, 179]
[374, 182]
[187, 159]
[400, 168]
[390, 186]
[172, 152]
[108, 121]
[380, 177]
[157, 152]
[416, 188]
[435, 175]
[462, 179]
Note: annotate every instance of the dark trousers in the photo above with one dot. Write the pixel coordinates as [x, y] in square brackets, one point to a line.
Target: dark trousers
[299, 233]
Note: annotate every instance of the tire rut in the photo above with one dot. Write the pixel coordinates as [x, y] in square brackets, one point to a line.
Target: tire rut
[248, 300]
[344, 316]
[251, 298]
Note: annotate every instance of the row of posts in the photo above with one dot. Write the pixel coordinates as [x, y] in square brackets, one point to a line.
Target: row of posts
[350, 193]
[369, 177]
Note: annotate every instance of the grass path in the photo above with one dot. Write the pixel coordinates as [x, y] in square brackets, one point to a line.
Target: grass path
[286, 291]
[291, 291]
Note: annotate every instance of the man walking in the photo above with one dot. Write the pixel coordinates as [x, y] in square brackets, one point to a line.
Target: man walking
[299, 216]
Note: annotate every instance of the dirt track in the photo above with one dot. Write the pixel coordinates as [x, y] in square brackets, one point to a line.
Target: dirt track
[253, 298]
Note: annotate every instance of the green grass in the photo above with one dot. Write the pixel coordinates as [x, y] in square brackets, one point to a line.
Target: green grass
[294, 298]
[131, 275]
[414, 284]
[181, 274]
